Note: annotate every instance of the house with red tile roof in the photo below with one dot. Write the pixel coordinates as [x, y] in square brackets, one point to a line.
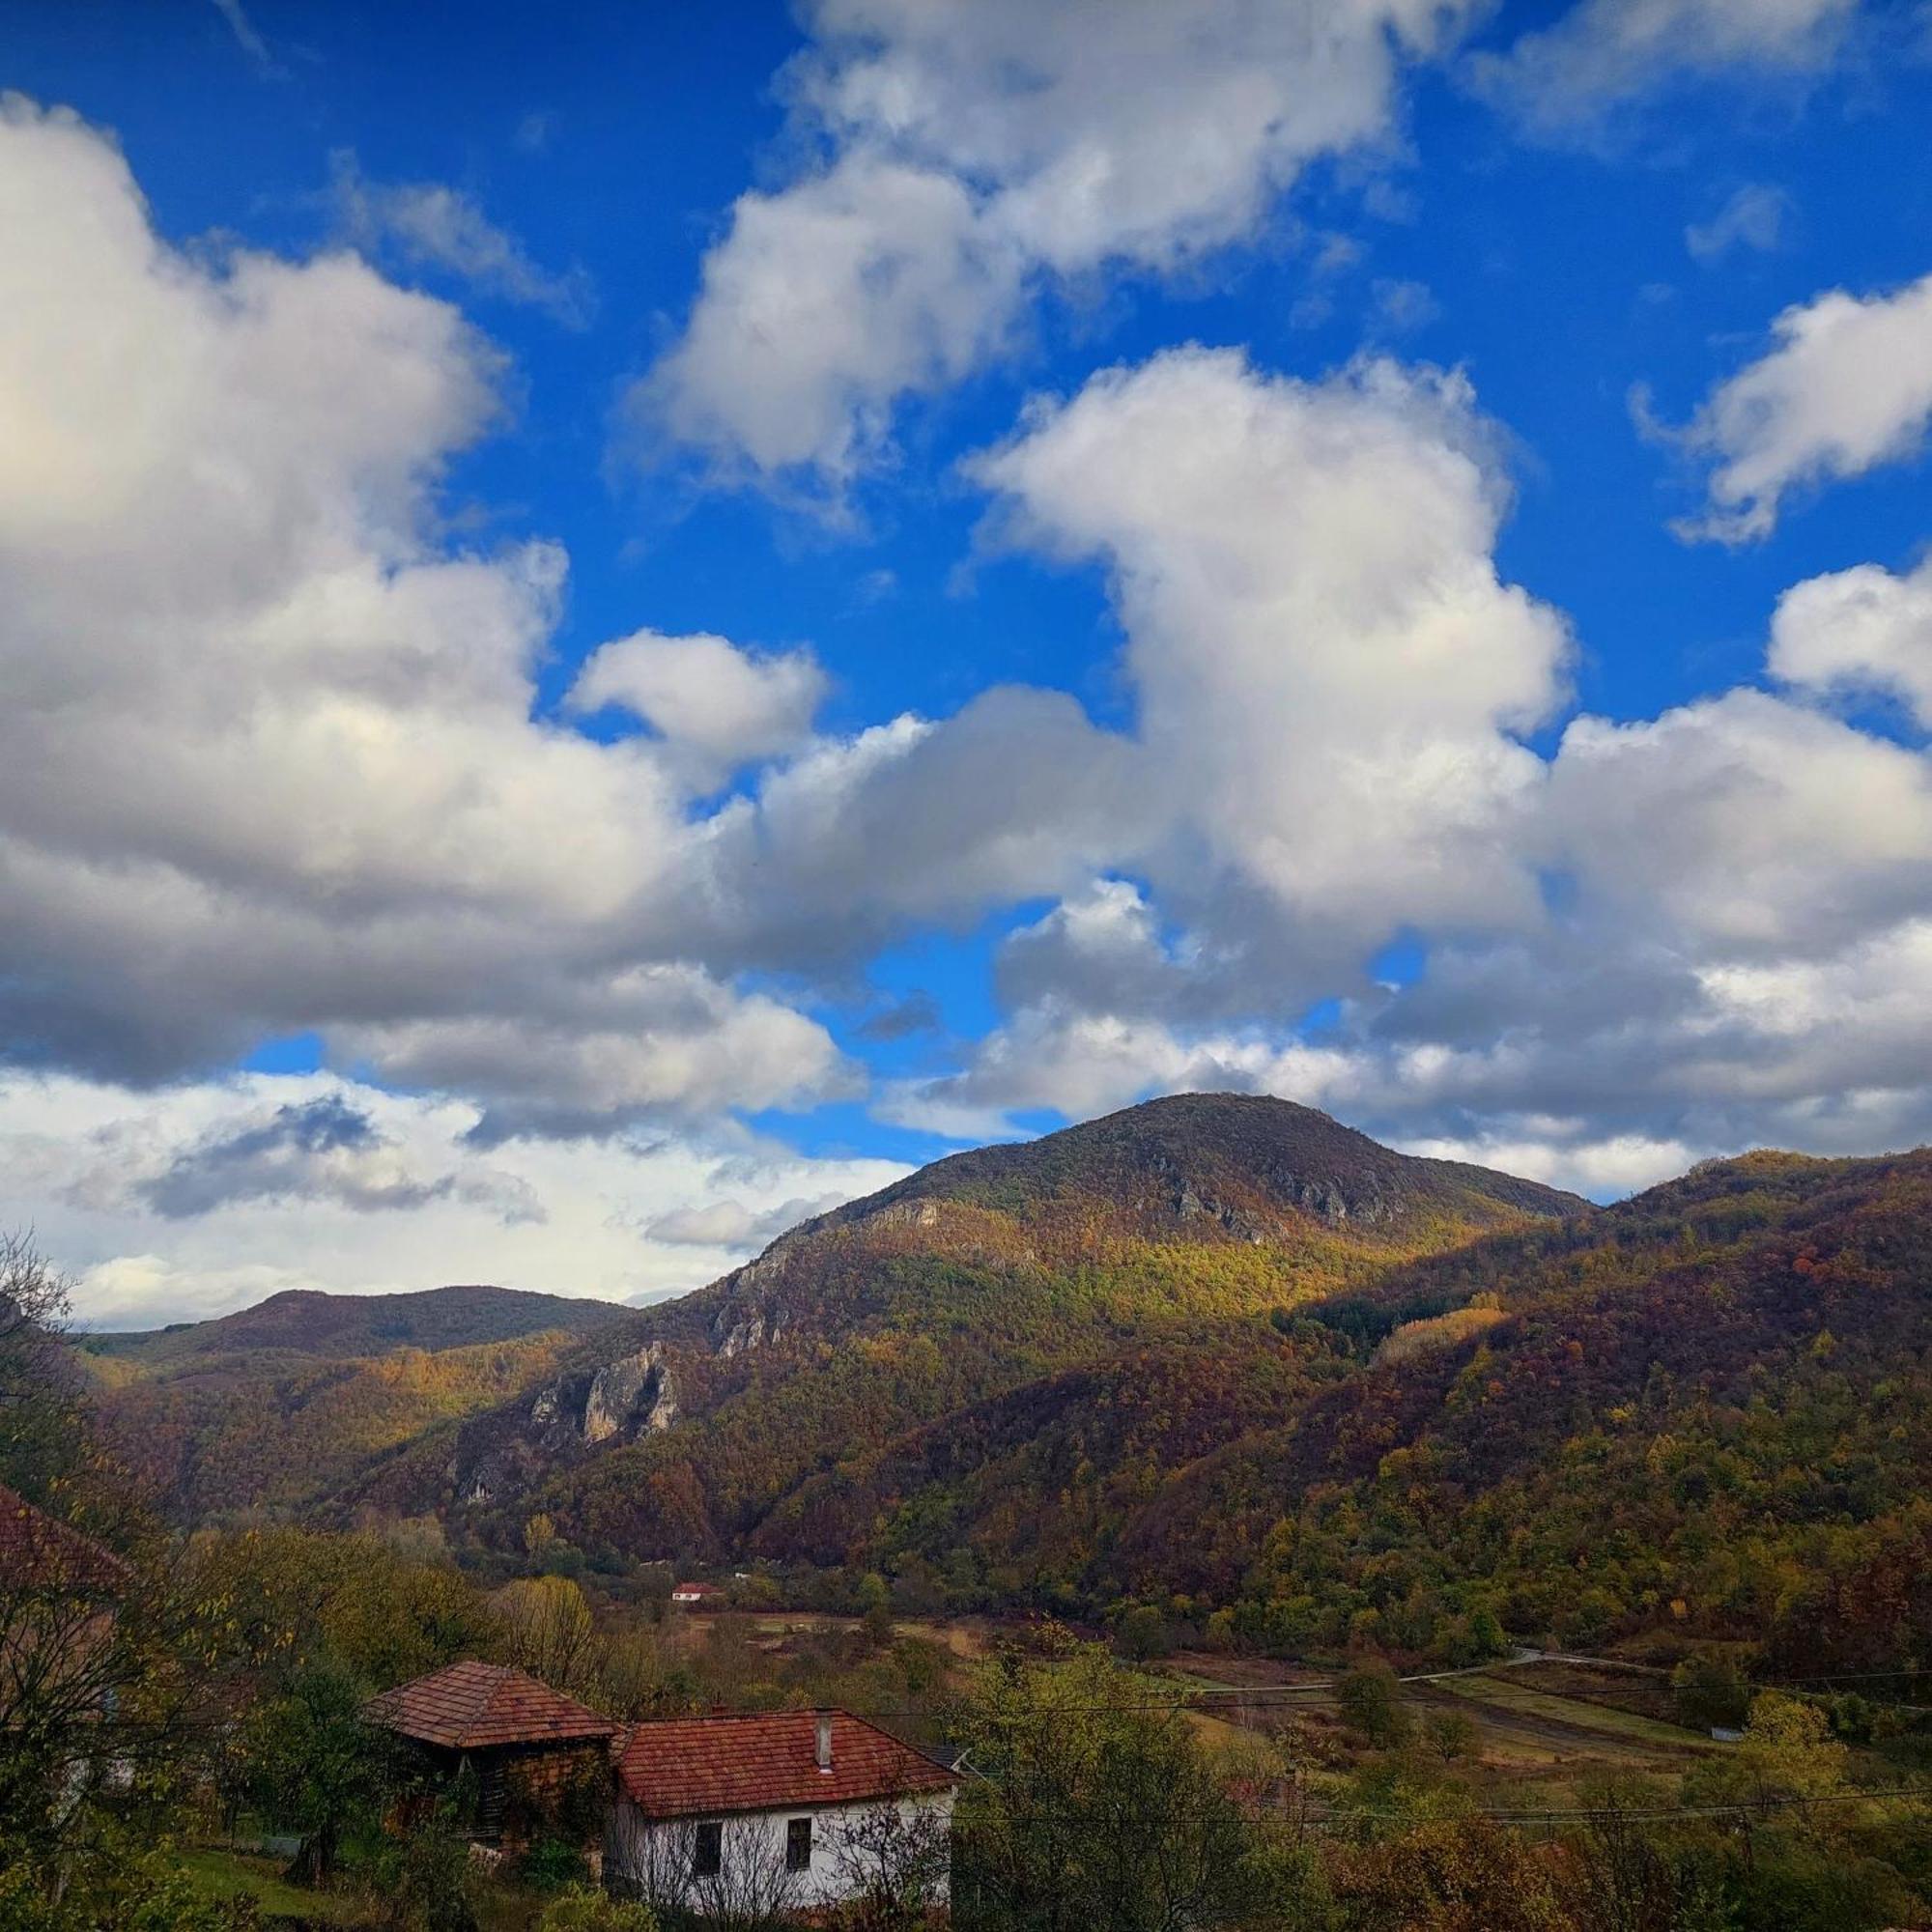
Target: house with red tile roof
[691, 1595]
[61, 1594]
[38, 1551]
[536, 1754]
[777, 1811]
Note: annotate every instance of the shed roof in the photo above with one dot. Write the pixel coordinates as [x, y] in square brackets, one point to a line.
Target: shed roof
[766, 1761]
[471, 1704]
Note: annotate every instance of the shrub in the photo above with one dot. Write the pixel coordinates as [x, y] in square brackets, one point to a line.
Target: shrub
[582, 1908]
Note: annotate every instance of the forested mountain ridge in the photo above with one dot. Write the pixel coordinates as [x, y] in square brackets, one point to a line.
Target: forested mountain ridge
[1707, 1408]
[308, 1321]
[282, 1403]
[1229, 1358]
[1180, 1223]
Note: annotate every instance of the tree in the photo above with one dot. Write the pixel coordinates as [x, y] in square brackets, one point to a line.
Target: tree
[876, 1610]
[892, 1864]
[1788, 1751]
[1710, 1691]
[1371, 1701]
[1452, 1875]
[1095, 1810]
[1141, 1633]
[40, 1432]
[1622, 1878]
[428, 1882]
[315, 1768]
[548, 1629]
[1450, 1735]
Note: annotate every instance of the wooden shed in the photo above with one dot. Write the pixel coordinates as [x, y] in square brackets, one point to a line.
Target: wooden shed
[528, 1747]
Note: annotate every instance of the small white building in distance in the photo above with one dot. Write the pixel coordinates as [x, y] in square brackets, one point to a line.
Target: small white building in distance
[777, 1811]
[693, 1595]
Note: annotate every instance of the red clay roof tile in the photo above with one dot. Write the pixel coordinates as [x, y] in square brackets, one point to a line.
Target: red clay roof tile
[766, 1761]
[472, 1704]
[37, 1549]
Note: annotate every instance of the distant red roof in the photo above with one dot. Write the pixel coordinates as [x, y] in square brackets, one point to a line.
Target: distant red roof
[471, 1704]
[766, 1761]
[37, 1549]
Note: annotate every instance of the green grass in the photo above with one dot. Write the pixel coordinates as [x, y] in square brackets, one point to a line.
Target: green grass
[221, 1874]
[1518, 1700]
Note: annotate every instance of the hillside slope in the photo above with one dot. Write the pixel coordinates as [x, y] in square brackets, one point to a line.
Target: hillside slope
[1704, 1412]
[1707, 1410]
[336, 1327]
[1179, 1224]
[283, 1402]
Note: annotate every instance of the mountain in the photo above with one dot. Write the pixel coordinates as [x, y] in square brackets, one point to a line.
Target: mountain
[336, 1327]
[283, 1402]
[1176, 1229]
[1707, 1410]
[1217, 1354]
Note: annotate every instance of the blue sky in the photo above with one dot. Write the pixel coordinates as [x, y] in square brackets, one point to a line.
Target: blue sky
[1574, 816]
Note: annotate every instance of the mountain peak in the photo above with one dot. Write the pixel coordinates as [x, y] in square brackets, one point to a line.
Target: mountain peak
[1249, 1162]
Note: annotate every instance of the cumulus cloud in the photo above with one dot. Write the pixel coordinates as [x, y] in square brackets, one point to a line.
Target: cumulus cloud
[828, 301]
[1847, 387]
[269, 762]
[717, 707]
[732, 1225]
[189, 1201]
[966, 154]
[1752, 217]
[1603, 54]
[1674, 936]
[431, 225]
[1329, 672]
[1863, 631]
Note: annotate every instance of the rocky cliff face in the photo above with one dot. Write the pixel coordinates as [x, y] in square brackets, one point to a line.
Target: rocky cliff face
[631, 1395]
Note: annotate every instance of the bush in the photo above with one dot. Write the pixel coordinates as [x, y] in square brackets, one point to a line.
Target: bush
[1141, 1633]
[582, 1908]
[553, 1864]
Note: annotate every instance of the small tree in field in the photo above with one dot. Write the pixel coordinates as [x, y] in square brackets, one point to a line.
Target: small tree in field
[1372, 1706]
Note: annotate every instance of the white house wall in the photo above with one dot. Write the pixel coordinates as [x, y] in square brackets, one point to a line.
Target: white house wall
[654, 1857]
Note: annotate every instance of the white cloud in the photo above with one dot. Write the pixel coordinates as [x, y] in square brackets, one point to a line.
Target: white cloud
[1677, 935]
[1745, 824]
[268, 761]
[1858, 631]
[430, 225]
[1602, 54]
[1752, 217]
[717, 707]
[1605, 1170]
[977, 148]
[1847, 387]
[263, 1171]
[735, 1228]
[826, 304]
[1329, 671]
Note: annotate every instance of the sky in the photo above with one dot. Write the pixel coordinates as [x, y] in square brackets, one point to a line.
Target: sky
[620, 622]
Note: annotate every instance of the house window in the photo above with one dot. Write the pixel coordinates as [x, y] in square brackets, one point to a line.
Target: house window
[798, 1844]
[707, 1850]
